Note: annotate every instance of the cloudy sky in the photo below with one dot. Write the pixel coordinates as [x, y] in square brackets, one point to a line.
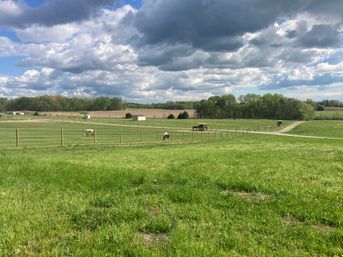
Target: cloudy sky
[159, 50]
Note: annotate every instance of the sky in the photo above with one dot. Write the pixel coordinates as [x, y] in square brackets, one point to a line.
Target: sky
[171, 50]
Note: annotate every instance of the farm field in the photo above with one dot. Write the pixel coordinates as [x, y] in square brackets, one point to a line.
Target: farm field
[42, 131]
[150, 113]
[327, 128]
[38, 133]
[243, 196]
[329, 115]
[227, 124]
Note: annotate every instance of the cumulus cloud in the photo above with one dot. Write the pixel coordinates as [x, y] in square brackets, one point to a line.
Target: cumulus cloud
[173, 49]
[53, 12]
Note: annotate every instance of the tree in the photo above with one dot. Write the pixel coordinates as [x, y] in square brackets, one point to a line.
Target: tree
[116, 104]
[183, 115]
[171, 116]
[128, 116]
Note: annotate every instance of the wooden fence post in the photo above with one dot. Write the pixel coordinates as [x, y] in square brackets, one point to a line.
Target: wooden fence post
[94, 137]
[17, 137]
[157, 135]
[141, 135]
[121, 137]
[192, 135]
[62, 137]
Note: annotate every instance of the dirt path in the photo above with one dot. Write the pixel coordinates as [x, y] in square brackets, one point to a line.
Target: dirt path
[291, 127]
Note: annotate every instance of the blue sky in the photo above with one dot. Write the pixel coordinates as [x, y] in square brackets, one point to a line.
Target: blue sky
[160, 50]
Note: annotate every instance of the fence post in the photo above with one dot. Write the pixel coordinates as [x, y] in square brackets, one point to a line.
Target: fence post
[17, 137]
[201, 135]
[192, 135]
[221, 134]
[157, 135]
[121, 137]
[141, 135]
[94, 137]
[62, 137]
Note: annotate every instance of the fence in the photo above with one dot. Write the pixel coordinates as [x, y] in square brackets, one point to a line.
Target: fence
[39, 137]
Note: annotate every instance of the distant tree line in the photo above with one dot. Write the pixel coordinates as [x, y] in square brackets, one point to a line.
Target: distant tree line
[179, 105]
[61, 103]
[269, 106]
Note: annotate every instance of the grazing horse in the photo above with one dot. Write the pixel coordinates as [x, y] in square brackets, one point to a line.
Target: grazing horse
[166, 136]
[88, 132]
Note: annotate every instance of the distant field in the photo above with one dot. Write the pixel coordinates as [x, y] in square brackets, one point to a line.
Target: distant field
[39, 132]
[150, 113]
[326, 128]
[228, 124]
[243, 196]
[330, 115]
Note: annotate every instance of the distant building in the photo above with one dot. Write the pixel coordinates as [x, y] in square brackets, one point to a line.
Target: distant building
[17, 113]
[139, 117]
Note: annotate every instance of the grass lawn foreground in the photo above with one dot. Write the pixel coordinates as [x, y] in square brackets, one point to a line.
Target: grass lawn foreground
[243, 196]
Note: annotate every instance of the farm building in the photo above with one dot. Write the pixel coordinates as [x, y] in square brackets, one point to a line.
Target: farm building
[17, 113]
[139, 117]
[87, 116]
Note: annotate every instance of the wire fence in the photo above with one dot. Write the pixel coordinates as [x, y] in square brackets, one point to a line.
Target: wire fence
[52, 137]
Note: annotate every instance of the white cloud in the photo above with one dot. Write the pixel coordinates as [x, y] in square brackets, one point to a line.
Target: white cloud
[103, 55]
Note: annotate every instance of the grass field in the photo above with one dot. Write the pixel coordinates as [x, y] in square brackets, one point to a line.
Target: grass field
[327, 128]
[38, 133]
[329, 115]
[42, 131]
[244, 196]
[239, 124]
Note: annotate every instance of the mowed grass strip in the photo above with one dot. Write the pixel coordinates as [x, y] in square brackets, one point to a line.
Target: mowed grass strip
[325, 128]
[248, 196]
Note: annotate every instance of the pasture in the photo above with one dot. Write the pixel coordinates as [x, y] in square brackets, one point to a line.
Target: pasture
[329, 115]
[243, 196]
[128, 193]
[43, 131]
[223, 124]
[324, 128]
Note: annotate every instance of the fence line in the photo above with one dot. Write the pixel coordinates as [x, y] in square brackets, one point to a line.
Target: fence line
[27, 137]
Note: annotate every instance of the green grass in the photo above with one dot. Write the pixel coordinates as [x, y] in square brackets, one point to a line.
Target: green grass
[244, 196]
[48, 133]
[40, 131]
[327, 128]
[228, 124]
[329, 115]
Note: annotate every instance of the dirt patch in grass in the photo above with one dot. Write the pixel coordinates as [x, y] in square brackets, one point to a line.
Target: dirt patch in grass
[323, 228]
[154, 210]
[250, 196]
[290, 221]
[150, 239]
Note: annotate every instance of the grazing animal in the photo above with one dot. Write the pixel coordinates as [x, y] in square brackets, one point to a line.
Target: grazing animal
[89, 132]
[166, 136]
